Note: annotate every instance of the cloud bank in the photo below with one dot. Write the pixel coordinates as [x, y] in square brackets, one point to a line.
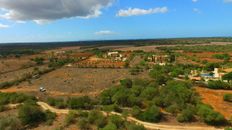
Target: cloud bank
[3, 26]
[48, 10]
[138, 11]
[104, 32]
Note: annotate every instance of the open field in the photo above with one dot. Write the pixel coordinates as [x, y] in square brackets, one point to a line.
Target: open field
[77, 81]
[215, 99]
[155, 47]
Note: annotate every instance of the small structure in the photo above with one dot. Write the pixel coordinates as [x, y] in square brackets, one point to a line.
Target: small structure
[214, 75]
[116, 56]
[160, 59]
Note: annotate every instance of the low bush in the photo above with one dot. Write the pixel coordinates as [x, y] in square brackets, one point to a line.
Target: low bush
[10, 123]
[228, 97]
[6, 98]
[219, 85]
[186, 115]
[80, 103]
[209, 116]
[151, 114]
[30, 114]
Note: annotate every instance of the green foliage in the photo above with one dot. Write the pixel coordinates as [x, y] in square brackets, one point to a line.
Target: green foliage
[228, 97]
[50, 117]
[126, 83]
[70, 118]
[13, 98]
[211, 66]
[59, 102]
[149, 93]
[83, 124]
[10, 123]
[97, 118]
[209, 116]
[225, 57]
[132, 126]
[80, 103]
[110, 126]
[151, 114]
[186, 115]
[219, 85]
[38, 60]
[30, 114]
[227, 77]
[179, 93]
[2, 108]
[117, 120]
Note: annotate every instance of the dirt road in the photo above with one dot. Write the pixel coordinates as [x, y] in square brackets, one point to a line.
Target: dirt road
[147, 125]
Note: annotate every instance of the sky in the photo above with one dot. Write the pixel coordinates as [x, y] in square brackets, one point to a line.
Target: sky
[78, 20]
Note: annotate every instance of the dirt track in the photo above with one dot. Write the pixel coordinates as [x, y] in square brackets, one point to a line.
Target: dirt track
[147, 125]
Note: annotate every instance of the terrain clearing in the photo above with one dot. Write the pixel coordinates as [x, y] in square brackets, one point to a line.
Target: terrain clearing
[76, 81]
[215, 99]
[154, 47]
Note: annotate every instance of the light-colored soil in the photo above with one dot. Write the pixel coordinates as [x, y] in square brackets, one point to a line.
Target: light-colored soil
[215, 99]
[75, 81]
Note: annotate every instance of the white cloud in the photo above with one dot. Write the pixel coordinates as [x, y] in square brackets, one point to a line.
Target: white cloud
[105, 32]
[4, 26]
[43, 11]
[196, 10]
[194, 1]
[137, 11]
[228, 1]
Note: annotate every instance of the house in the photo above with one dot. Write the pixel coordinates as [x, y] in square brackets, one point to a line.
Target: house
[116, 56]
[160, 59]
[214, 75]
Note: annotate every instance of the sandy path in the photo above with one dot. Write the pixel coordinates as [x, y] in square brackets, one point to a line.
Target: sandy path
[147, 125]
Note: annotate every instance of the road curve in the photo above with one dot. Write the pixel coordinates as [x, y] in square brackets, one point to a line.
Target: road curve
[151, 126]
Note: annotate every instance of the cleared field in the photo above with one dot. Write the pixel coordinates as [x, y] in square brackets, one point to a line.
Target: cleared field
[76, 81]
[215, 99]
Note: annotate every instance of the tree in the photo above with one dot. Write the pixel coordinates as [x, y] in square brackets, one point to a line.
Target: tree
[110, 126]
[209, 116]
[39, 60]
[227, 77]
[80, 103]
[31, 114]
[151, 114]
[126, 83]
[186, 115]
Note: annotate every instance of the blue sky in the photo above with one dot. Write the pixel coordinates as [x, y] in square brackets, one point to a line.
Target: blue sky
[119, 19]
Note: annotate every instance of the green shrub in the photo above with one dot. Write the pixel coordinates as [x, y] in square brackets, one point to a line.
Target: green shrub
[31, 114]
[50, 117]
[110, 126]
[228, 97]
[209, 116]
[83, 124]
[151, 114]
[2, 108]
[131, 126]
[70, 118]
[219, 85]
[117, 120]
[186, 115]
[126, 83]
[13, 98]
[80, 103]
[97, 118]
[10, 123]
